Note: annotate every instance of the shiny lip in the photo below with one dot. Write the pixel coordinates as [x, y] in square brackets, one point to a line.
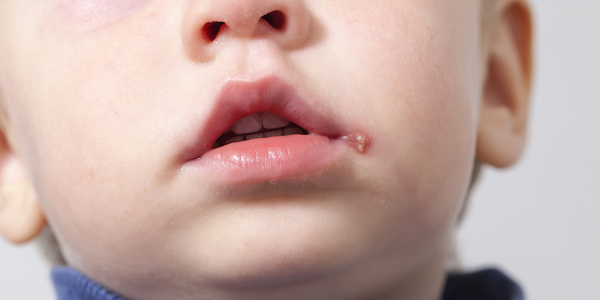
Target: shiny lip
[236, 99]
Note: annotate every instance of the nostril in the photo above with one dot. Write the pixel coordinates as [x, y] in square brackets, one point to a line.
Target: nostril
[211, 30]
[275, 18]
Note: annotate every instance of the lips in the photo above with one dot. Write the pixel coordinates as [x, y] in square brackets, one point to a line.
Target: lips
[244, 139]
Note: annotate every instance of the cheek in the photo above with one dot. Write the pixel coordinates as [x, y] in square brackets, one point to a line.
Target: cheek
[416, 67]
[97, 11]
[93, 158]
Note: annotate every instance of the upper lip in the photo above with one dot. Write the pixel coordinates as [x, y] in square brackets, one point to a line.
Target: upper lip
[236, 99]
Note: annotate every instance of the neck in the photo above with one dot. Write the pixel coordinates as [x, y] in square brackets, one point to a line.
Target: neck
[380, 281]
[386, 280]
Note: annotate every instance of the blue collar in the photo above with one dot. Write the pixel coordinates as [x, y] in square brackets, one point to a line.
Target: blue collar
[69, 284]
[489, 284]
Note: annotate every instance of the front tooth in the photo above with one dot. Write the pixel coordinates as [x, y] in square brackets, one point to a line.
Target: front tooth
[273, 133]
[255, 136]
[270, 121]
[234, 140]
[292, 130]
[249, 124]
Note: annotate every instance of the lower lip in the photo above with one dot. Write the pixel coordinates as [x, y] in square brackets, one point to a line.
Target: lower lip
[274, 158]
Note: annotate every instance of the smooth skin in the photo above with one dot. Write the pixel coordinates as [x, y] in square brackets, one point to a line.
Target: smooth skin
[100, 96]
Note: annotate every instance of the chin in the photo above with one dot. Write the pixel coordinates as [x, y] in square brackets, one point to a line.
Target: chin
[259, 270]
[291, 247]
[277, 273]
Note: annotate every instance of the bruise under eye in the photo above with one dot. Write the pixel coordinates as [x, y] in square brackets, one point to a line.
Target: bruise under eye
[99, 11]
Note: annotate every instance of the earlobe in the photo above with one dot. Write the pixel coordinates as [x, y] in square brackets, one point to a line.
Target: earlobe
[21, 217]
[505, 97]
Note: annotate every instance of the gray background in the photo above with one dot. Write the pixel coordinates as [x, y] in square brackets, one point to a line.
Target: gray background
[539, 221]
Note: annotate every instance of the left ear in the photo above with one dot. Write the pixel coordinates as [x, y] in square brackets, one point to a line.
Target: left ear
[505, 104]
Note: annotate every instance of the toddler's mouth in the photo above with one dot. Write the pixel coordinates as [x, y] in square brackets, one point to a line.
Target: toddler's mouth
[264, 130]
[257, 126]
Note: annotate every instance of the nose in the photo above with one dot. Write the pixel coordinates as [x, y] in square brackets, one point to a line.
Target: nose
[206, 22]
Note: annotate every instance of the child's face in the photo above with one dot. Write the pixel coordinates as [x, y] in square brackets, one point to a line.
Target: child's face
[114, 103]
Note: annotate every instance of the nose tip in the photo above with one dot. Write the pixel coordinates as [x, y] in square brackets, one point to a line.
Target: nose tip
[286, 22]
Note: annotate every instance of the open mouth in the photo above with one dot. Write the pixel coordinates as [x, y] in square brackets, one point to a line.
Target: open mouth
[258, 126]
[264, 130]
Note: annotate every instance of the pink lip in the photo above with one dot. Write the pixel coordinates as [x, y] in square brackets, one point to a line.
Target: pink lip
[274, 158]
